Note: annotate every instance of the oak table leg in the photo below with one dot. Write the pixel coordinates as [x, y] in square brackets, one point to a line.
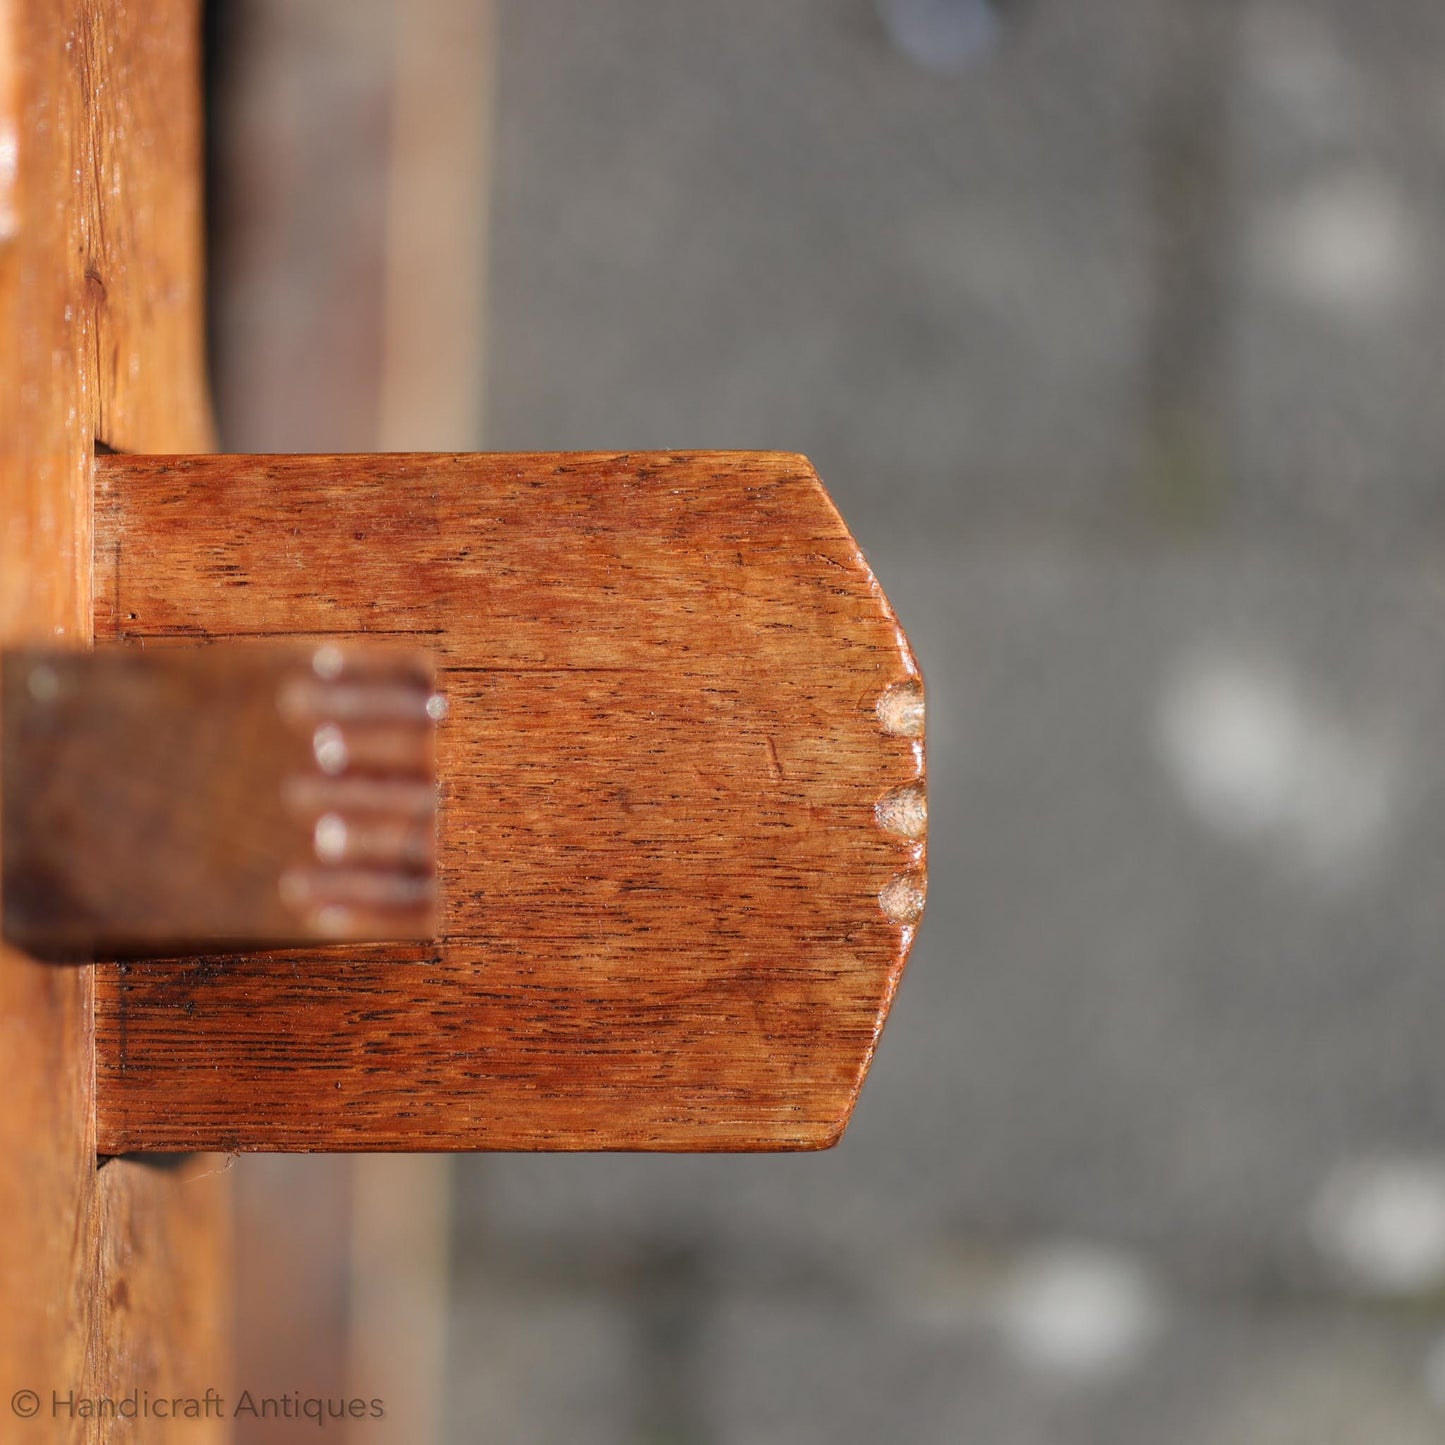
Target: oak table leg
[112, 1279]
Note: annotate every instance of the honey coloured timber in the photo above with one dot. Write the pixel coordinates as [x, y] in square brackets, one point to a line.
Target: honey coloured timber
[681, 850]
[116, 1279]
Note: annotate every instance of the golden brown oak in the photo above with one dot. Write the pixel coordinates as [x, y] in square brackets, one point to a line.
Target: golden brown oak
[681, 851]
[114, 1278]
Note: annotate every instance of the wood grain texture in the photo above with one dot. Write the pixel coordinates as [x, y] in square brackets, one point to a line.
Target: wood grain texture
[100, 331]
[157, 801]
[164, 1270]
[672, 913]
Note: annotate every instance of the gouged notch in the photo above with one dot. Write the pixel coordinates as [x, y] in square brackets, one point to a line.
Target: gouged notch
[391, 841]
[903, 897]
[904, 811]
[161, 800]
[371, 717]
[900, 709]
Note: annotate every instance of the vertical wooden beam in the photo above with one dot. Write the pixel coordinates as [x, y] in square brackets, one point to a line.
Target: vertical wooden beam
[112, 1279]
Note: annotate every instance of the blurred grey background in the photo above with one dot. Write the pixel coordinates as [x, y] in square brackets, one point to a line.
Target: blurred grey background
[1118, 331]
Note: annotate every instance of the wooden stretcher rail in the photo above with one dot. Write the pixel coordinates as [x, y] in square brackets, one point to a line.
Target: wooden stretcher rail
[681, 847]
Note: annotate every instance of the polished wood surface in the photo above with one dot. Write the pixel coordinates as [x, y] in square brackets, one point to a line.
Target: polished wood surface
[160, 801]
[113, 1278]
[681, 845]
